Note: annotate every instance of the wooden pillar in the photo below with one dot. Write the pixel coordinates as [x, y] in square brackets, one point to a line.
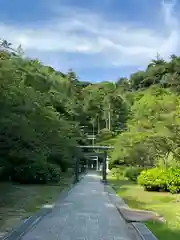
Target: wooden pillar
[104, 168]
[76, 170]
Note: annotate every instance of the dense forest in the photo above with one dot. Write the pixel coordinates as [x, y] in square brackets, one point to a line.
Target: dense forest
[46, 114]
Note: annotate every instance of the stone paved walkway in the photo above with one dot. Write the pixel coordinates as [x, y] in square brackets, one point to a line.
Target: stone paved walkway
[86, 214]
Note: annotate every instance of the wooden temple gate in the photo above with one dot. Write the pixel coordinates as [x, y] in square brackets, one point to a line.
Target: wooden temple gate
[104, 162]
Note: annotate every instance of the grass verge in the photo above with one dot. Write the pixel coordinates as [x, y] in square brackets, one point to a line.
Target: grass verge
[165, 204]
[17, 202]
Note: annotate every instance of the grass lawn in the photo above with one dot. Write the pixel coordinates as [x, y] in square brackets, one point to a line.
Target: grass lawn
[17, 202]
[165, 204]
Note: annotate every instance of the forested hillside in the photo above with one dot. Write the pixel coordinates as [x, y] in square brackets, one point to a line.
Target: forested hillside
[45, 114]
[152, 127]
[40, 120]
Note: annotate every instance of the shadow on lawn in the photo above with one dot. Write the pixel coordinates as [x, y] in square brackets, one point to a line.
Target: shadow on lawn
[121, 184]
[121, 181]
[134, 203]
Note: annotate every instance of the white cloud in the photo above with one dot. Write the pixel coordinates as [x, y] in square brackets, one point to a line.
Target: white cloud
[111, 43]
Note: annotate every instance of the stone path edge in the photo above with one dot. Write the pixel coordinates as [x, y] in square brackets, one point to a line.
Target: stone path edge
[141, 229]
[31, 221]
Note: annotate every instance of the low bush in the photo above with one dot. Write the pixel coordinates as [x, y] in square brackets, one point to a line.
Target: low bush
[123, 171]
[36, 173]
[160, 179]
[54, 173]
[153, 179]
[173, 180]
[132, 173]
[30, 173]
[118, 172]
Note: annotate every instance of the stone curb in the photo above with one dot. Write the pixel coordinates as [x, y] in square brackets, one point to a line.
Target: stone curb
[141, 229]
[30, 222]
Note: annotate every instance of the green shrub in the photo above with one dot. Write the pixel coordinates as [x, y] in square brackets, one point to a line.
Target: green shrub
[173, 180]
[36, 173]
[153, 179]
[132, 173]
[118, 172]
[31, 173]
[173, 189]
[58, 160]
[123, 171]
[160, 179]
[54, 172]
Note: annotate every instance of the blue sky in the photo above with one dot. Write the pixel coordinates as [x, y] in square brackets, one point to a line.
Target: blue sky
[99, 39]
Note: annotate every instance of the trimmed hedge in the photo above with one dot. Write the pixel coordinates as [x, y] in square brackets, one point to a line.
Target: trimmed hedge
[158, 179]
[153, 179]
